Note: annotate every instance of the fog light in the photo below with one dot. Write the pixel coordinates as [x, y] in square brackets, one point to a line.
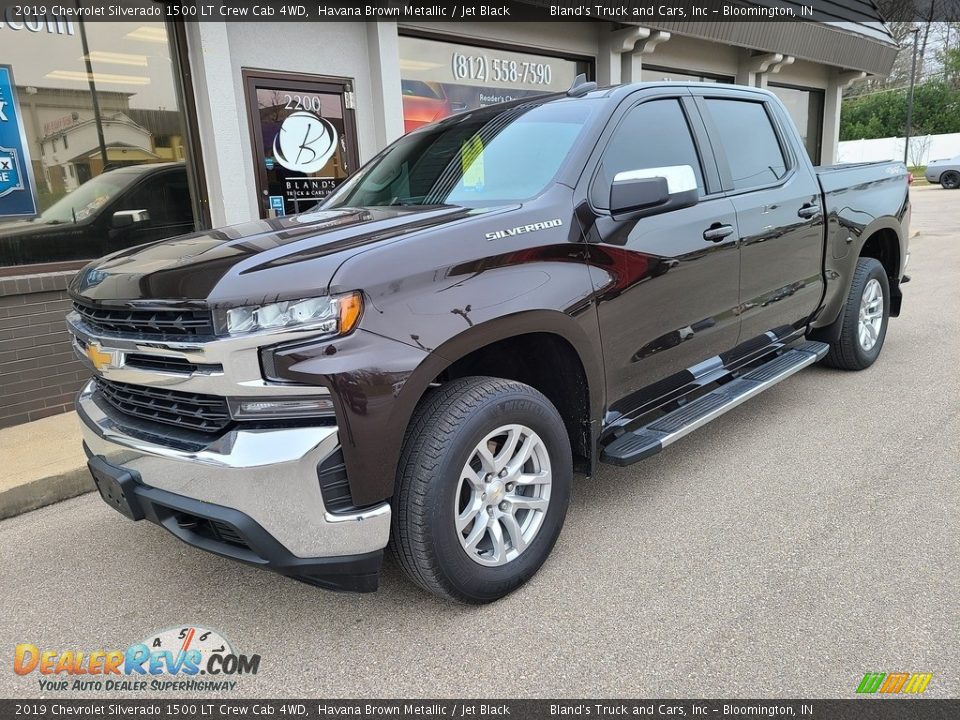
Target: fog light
[301, 407]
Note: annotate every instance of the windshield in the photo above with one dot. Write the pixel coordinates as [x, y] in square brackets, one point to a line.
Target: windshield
[478, 159]
[86, 199]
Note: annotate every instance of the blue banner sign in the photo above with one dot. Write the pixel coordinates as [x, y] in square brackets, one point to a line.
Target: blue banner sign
[17, 190]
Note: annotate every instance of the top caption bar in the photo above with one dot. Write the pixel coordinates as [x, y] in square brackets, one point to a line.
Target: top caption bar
[37, 16]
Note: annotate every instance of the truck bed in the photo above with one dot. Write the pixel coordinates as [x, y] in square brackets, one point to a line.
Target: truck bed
[856, 199]
[834, 178]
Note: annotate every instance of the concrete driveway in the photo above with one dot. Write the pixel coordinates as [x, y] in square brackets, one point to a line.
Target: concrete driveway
[806, 538]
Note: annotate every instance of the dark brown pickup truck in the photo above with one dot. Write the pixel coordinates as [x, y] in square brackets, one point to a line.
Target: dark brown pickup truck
[493, 303]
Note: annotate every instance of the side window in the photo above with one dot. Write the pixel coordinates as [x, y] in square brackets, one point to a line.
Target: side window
[176, 198]
[143, 197]
[749, 140]
[164, 196]
[654, 134]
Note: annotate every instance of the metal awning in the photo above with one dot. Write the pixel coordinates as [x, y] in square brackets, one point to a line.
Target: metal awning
[847, 34]
[837, 44]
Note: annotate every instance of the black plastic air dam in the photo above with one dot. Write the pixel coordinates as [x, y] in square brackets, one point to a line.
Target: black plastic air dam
[228, 532]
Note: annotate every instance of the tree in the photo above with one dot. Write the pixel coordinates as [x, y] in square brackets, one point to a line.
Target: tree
[918, 150]
[899, 75]
[936, 110]
[950, 61]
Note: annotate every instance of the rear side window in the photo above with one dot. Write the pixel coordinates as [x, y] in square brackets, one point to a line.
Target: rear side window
[749, 141]
[654, 134]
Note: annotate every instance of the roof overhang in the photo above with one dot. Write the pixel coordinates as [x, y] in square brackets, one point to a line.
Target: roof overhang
[849, 34]
[836, 44]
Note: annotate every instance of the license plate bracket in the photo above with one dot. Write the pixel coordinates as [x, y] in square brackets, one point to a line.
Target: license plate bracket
[116, 486]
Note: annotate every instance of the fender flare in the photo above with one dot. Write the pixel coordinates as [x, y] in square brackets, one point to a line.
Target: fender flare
[502, 328]
[831, 318]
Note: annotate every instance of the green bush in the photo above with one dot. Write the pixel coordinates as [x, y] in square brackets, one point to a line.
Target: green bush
[936, 110]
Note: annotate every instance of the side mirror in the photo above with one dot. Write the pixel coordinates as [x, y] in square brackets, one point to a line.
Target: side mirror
[126, 218]
[639, 193]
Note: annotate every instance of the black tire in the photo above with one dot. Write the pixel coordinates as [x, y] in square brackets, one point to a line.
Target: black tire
[950, 180]
[846, 353]
[443, 434]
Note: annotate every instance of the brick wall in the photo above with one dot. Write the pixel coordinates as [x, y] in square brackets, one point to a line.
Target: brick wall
[39, 374]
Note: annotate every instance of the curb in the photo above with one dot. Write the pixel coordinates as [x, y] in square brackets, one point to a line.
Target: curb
[39, 493]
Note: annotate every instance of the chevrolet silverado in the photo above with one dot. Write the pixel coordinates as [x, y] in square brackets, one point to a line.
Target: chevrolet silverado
[493, 303]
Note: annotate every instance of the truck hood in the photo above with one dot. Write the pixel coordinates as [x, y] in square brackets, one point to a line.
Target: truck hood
[260, 261]
[34, 228]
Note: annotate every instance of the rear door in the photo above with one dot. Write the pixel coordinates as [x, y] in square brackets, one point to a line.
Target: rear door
[777, 202]
[666, 293]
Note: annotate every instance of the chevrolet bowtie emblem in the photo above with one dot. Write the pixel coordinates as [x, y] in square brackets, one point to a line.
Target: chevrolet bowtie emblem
[98, 356]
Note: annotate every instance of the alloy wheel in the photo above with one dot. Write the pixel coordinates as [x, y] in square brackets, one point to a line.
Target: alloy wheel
[503, 495]
[871, 314]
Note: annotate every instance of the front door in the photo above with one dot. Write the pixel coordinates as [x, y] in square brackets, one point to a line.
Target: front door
[303, 136]
[667, 293]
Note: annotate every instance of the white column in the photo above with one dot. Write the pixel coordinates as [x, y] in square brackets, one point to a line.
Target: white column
[608, 66]
[612, 48]
[222, 121]
[384, 47]
[833, 97]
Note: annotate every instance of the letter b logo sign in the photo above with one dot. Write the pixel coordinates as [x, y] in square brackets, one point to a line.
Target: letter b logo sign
[305, 142]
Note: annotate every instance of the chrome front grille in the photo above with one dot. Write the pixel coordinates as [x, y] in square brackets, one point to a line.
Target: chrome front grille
[184, 383]
[163, 363]
[193, 411]
[157, 324]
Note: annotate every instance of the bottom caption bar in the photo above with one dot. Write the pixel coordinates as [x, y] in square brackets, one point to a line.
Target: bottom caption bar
[858, 709]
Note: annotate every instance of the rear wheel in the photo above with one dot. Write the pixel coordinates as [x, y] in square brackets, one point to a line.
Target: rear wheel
[482, 489]
[950, 180]
[865, 317]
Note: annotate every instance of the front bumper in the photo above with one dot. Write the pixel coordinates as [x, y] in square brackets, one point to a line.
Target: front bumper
[262, 483]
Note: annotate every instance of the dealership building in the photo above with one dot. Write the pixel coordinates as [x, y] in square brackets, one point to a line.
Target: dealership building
[120, 133]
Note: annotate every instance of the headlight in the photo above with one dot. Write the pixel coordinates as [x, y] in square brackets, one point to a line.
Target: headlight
[331, 315]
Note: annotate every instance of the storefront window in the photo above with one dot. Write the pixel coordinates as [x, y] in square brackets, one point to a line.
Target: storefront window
[93, 135]
[806, 108]
[440, 78]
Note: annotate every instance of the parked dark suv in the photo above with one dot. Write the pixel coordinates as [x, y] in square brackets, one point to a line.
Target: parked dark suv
[117, 209]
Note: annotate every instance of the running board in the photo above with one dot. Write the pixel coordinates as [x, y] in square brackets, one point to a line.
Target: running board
[652, 438]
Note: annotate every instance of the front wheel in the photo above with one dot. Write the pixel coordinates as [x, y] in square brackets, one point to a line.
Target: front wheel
[865, 317]
[482, 488]
[950, 180]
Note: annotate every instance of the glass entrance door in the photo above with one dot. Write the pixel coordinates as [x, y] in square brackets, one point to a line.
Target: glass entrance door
[303, 136]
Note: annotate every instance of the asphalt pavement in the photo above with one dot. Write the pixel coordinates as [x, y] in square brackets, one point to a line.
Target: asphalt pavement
[805, 538]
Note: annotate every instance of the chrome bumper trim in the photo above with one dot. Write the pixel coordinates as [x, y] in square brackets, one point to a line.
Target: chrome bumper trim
[268, 474]
[233, 363]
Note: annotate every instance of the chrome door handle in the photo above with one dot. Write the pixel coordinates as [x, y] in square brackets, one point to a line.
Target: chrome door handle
[717, 232]
[809, 210]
